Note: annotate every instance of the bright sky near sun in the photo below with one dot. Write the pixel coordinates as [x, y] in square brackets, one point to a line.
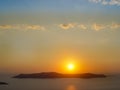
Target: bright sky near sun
[38, 35]
[70, 66]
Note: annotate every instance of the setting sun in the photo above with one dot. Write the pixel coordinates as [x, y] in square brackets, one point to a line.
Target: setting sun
[70, 66]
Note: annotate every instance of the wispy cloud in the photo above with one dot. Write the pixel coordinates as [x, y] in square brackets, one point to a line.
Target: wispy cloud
[82, 26]
[107, 2]
[76, 26]
[34, 27]
[115, 26]
[98, 27]
[92, 26]
[67, 26]
[6, 26]
[112, 26]
[23, 27]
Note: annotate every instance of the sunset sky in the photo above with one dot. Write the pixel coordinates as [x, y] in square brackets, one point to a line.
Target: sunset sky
[46, 35]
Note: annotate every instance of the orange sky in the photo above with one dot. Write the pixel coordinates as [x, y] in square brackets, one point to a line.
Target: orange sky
[40, 36]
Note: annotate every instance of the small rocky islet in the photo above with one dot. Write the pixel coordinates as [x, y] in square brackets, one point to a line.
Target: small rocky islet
[3, 83]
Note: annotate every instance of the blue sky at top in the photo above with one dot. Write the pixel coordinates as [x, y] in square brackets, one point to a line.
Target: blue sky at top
[55, 5]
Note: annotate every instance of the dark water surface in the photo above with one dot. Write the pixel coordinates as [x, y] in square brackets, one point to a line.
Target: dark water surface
[109, 83]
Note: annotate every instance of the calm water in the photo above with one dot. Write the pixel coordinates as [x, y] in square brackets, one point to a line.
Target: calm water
[110, 83]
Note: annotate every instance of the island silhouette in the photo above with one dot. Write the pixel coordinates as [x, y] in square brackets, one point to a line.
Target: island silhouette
[3, 83]
[59, 75]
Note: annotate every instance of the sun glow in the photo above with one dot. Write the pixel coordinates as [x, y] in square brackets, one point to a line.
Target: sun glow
[70, 66]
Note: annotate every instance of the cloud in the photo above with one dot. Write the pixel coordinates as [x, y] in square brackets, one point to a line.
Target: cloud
[107, 2]
[95, 1]
[115, 26]
[98, 27]
[23, 27]
[77, 26]
[6, 26]
[92, 26]
[67, 26]
[82, 26]
[34, 27]
[112, 26]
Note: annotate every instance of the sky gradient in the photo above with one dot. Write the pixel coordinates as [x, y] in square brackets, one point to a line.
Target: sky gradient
[43, 35]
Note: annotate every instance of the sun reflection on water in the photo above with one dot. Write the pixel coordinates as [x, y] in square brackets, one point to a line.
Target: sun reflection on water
[70, 87]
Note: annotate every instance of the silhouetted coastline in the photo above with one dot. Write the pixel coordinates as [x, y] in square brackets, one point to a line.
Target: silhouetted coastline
[59, 75]
[3, 83]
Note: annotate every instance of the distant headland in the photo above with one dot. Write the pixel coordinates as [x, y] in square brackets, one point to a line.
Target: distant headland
[3, 83]
[44, 75]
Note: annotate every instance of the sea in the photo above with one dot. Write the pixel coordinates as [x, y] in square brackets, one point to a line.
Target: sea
[109, 83]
